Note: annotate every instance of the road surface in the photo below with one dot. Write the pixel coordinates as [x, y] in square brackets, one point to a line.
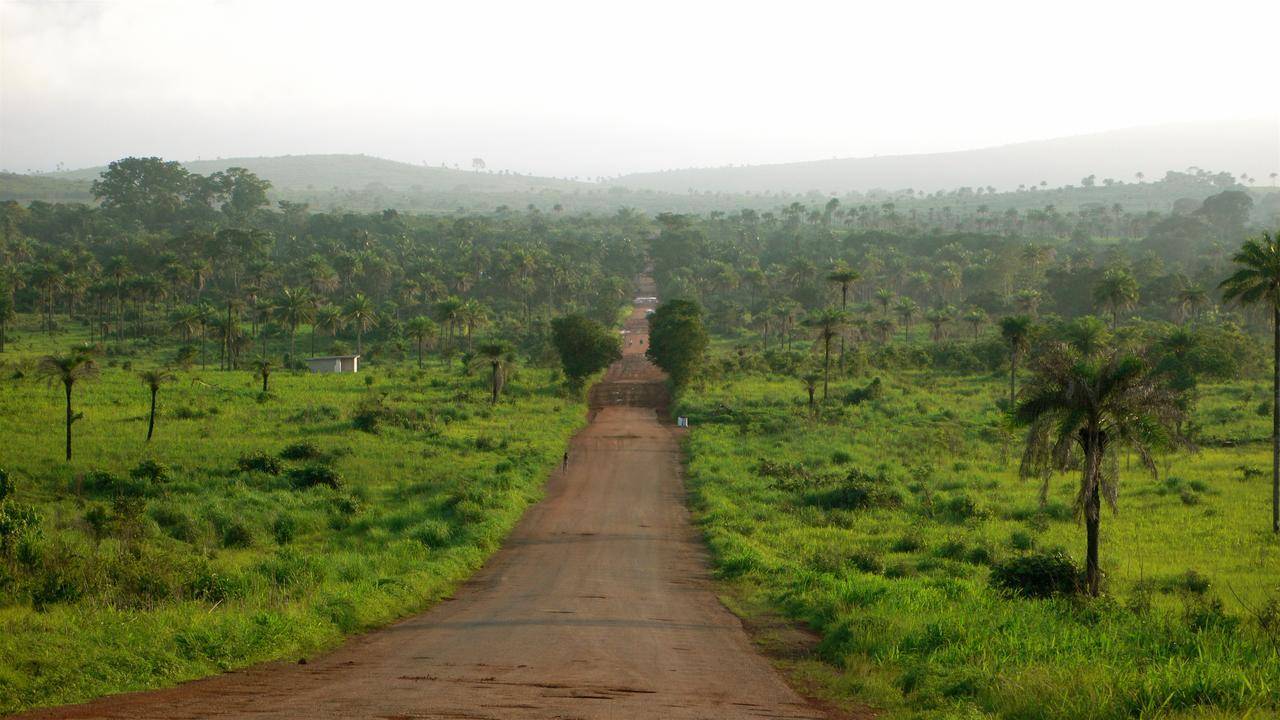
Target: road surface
[599, 605]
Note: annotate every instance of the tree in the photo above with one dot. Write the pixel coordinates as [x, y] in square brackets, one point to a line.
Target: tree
[362, 315]
[449, 312]
[677, 340]
[1079, 413]
[884, 298]
[1257, 282]
[976, 318]
[7, 314]
[906, 310]
[148, 189]
[810, 380]
[69, 369]
[262, 367]
[153, 380]
[844, 276]
[294, 306]
[329, 320]
[828, 323]
[1117, 290]
[421, 328]
[500, 359]
[1016, 330]
[584, 345]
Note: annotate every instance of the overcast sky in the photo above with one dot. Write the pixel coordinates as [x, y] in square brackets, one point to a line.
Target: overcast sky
[597, 88]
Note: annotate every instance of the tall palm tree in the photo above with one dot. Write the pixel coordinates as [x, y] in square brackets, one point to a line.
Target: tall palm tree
[883, 326]
[1190, 299]
[1117, 290]
[262, 367]
[1016, 330]
[362, 315]
[153, 380]
[69, 369]
[448, 312]
[295, 306]
[329, 320]
[828, 323]
[844, 276]
[1257, 281]
[976, 318]
[906, 310]
[7, 314]
[472, 314]
[420, 328]
[810, 380]
[500, 359]
[884, 298]
[1079, 413]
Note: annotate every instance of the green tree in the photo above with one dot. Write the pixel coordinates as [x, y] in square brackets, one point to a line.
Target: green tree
[153, 379]
[906, 310]
[421, 328]
[584, 345]
[361, 314]
[1117, 290]
[844, 276]
[295, 306]
[976, 319]
[677, 340]
[329, 320]
[1080, 412]
[69, 369]
[828, 323]
[1257, 282]
[1016, 331]
[7, 314]
[262, 367]
[499, 357]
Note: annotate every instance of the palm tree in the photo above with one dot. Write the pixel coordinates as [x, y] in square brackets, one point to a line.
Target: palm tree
[154, 379]
[471, 315]
[845, 276]
[1257, 281]
[420, 329]
[828, 323]
[975, 317]
[361, 314]
[500, 358]
[1190, 299]
[449, 312]
[329, 320]
[884, 297]
[7, 314]
[1096, 406]
[883, 326]
[906, 310]
[810, 380]
[69, 369]
[262, 367]
[295, 306]
[1117, 290]
[1016, 330]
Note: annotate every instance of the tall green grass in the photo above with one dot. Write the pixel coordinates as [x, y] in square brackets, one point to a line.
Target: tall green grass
[232, 564]
[878, 526]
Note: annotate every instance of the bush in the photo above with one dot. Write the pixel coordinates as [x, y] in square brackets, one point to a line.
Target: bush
[858, 491]
[310, 476]
[284, 529]
[260, 462]
[151, 471]
[8, 486]
[302, 451]
[1036, 575]
[873, 390]
[959, 508]
[237, 535]
[1022, 540]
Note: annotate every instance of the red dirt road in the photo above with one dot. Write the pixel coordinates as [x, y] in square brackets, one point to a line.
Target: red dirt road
[598, 606]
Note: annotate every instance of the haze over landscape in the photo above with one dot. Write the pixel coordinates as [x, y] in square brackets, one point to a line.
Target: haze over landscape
[658, 361]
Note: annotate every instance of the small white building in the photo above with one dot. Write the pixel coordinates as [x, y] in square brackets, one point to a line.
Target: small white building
[334, 364]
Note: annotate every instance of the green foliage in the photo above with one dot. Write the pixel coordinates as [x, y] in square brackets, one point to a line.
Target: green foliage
[259, 461]
[1037, 575]
[677, 340]
[584, 345]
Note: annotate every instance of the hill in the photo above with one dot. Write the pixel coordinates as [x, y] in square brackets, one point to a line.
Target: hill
[1245, 146]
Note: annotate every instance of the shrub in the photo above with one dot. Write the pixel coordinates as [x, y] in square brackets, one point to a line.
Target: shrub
[874, 390]
[1206, 613]
[1022, 540]
[1036, 575]
[151, 471]
[260, 462]
[315, 474]
[302, 451]
[858, 491]
[177, 523]
[432, 533]
[373, 413]
[17, 524]
[237, 535]
[284, 529]
[959, 508]
[7, 485]
[907, 543]
[866, 561]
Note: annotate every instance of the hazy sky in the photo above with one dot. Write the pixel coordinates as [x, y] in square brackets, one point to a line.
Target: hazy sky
[598, 88]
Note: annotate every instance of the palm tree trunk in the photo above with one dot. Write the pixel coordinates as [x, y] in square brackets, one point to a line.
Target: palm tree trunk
[359, 339]
[826, 363]
[419, 352]
[1013, 379]
[1275, 421]
[69, 420]
[1093, 518]
[494, 399]
[151, 421]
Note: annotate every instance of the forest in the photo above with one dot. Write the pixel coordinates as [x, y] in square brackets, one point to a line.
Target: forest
[1006, 457]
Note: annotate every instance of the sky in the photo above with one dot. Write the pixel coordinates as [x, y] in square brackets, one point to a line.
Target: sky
[599, 88]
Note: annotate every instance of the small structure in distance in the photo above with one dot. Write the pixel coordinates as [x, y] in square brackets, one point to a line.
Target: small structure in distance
[334, 364]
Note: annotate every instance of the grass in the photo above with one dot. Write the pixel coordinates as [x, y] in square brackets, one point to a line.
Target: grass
[878, 526]
[135, 584]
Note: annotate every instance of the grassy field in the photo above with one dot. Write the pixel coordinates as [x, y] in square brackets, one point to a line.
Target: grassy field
[269, 526]
[878, 526]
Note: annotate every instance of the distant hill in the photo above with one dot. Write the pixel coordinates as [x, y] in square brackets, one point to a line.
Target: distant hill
[293, 173]
[1245, 146]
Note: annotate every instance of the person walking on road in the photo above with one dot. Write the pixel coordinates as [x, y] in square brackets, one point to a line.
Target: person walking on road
[565, 464]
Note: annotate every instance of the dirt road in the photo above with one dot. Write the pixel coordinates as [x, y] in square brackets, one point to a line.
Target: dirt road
[598, 606]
